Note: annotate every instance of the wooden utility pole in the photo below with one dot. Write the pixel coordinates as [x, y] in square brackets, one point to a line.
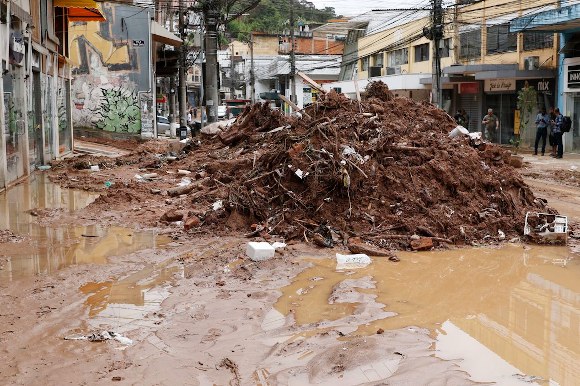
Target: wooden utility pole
[293, 97]
[436, 34]
[211, 15]
[182, 80]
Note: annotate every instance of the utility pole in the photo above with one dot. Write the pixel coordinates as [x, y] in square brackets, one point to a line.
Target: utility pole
[211, 14]
[232, 74]
[252, 76]
[182, 83]
[292, 55]
[436, 34]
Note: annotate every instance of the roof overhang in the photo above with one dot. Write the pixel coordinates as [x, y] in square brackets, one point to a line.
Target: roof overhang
[161, 35]
[564, 19]
[81, 10]
[475, 68]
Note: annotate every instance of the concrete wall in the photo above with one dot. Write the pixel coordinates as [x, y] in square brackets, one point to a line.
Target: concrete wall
[111, 88]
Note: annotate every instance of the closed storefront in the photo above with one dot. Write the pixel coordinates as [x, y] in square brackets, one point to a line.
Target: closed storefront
[572, 102]
[469, 99]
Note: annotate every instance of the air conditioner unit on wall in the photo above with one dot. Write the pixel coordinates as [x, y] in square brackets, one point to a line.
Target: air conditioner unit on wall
[393, 70]
[532, 63]
[375, 71]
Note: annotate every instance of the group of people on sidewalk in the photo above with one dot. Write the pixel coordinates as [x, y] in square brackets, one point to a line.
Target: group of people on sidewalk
[550, 125]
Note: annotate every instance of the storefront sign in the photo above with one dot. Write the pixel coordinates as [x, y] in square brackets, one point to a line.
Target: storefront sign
[543, 86]
[469, 88]
[574, 76]
[496, 85]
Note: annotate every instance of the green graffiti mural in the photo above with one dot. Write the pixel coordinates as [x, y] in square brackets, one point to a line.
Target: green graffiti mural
[118, 111]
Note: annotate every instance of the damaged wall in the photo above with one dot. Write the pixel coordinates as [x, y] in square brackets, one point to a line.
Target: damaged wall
[111, 70]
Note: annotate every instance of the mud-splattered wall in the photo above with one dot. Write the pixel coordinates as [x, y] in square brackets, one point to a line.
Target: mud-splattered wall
[111, 71]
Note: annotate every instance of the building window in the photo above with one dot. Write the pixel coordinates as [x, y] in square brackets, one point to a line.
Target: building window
[398, 57]
[538, 40]
[499, 39]
[470, 44]
[364, 64]
[422, 52]
[378, 60]
[445, 48]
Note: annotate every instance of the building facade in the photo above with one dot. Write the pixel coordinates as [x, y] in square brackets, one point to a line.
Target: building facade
[484, 65]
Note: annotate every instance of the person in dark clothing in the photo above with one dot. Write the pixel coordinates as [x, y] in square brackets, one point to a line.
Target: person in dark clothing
[551, 139]
[557, 132]
[542, 123]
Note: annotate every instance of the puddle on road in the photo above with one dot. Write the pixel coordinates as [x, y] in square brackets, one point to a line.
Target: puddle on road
[54, 248]
[130, 302]
[517, 306]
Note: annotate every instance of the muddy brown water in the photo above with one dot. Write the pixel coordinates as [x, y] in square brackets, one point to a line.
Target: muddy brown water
[506, 311]
[48, 249]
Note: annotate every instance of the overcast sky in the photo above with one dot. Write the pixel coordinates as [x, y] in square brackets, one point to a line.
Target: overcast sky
[356, 7]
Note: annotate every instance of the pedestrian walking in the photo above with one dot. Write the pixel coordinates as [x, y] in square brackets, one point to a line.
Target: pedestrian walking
[542, 123]
[557, 132]
[490, 124]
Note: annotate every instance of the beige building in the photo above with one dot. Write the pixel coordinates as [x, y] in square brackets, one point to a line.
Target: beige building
[483, 64]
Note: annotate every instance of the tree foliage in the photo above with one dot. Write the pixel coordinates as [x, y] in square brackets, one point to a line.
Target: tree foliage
[273, 16]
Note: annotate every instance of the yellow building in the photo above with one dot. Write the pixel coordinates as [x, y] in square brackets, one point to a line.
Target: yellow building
[483, 64]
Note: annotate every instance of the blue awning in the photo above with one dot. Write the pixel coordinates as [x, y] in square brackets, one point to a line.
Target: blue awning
[564, 19]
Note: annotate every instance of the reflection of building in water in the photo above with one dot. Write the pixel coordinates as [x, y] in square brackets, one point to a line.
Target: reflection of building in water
[51, 249]
[538, 331]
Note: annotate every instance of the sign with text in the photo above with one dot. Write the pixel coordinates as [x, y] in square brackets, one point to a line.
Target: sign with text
[469, 88]
[498, 85]
[574, 76]
[544, 86]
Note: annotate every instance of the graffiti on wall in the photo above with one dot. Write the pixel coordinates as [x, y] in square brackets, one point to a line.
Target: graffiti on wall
[119, 112]
[108, 71]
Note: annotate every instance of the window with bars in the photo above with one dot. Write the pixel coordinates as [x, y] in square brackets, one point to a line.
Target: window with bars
[470, 44]
[422, 52]
[398, 57]
[364, 64]
[538, 40]
[445, 48]
[378, 60]
[500, 39]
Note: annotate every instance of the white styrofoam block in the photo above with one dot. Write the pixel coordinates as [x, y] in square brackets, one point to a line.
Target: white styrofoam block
[259, 251]
[352, 261]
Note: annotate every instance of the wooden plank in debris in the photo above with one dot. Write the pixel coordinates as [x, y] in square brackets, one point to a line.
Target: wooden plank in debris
[293, 105]
[311, 82]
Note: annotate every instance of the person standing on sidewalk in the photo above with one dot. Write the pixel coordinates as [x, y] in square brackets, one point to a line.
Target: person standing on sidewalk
[551, 139]
[557, 132]
[542, 123]
[491, 123]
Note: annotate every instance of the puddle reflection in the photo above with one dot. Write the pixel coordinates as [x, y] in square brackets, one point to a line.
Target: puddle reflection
[519, 303]
[50, 249]
[126, 304]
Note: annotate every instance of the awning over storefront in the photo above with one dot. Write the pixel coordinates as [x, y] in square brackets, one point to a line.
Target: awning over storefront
[162, 35]
[497, 71]
[81, 10]
[555, 20]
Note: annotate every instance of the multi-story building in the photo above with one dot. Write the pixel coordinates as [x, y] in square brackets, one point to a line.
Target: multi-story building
[484, 65]
[35, 111]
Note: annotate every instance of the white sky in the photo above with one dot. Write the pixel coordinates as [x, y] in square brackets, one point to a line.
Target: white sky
[357, 7]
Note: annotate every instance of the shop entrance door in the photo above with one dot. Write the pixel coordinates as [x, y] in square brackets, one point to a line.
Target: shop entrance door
[504, 106]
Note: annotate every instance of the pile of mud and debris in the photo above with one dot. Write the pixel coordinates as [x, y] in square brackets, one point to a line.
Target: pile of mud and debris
[384, 170]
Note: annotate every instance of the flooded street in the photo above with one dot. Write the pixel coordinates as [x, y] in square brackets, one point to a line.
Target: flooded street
[517, 306]
[48, 248]
[198, 312]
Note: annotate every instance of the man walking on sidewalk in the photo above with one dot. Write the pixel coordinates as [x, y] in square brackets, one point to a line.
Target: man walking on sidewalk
[542, 122]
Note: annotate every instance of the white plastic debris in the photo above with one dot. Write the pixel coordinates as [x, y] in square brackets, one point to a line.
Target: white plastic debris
[182, 172]
[359, 260]
[278, 245]
[95, 168]
[184, 182]
[218, 205]
[500, 234]
[101, 337]
[259, 251]
[459, 130]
